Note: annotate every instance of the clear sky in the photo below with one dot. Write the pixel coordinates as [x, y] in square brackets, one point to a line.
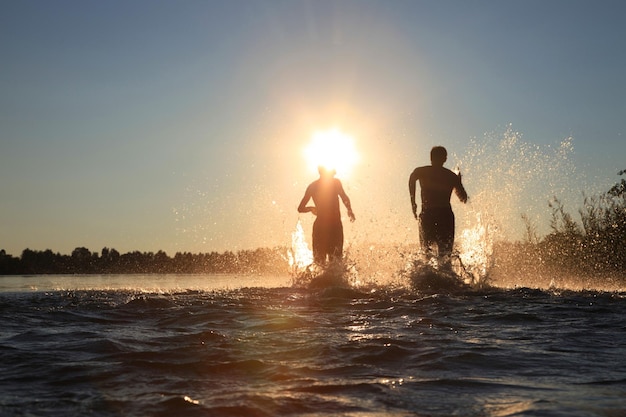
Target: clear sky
[180, 125]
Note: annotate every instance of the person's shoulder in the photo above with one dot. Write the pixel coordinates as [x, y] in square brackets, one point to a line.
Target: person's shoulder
[451, 174]
[313, 185]
[421, 169]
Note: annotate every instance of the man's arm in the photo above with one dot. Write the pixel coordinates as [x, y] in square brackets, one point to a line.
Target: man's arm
[460, 191]
[346, 202]
[303, 208]
[412, 181]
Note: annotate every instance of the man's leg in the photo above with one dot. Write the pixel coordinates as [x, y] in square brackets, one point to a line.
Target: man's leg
[336, 242]
[319, 254]
[427, 233]
[445, 235]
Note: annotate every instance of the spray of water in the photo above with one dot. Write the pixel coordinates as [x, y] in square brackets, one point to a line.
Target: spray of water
[306, 273]
[299, 255]
[475, 248]
[508, 179]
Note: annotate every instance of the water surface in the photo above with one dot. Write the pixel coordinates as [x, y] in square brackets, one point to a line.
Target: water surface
[254, 346]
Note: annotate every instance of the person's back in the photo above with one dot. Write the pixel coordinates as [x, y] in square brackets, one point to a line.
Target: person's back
[436, 185]
[325, 193]
[327, 228]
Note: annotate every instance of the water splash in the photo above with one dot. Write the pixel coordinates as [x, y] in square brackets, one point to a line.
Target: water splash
[475, 249]
[509, 180]
[507, 177]
[426, 273]
[306, 273]
[299, 255]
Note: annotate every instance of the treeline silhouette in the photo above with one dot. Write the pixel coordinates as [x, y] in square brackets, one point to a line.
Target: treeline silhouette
[110, 261]
[593, 246]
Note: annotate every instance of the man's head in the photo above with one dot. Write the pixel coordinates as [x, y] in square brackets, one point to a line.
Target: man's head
[326, 172]
[438, 155]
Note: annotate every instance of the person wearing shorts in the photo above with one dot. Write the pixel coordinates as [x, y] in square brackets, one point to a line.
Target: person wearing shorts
[436, 218]
[327, 228]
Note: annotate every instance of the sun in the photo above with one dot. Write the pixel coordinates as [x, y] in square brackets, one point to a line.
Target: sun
[331, 149]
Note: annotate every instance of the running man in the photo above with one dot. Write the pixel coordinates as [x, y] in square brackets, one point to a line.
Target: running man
[436, 218]
[327, 228]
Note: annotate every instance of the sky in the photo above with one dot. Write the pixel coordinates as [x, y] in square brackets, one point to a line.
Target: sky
[180, 126]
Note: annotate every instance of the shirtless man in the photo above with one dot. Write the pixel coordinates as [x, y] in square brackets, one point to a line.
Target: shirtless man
[436, 218]
[327, 228]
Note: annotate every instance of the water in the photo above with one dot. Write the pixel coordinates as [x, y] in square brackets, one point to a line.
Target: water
[391, 344]
[255, 346]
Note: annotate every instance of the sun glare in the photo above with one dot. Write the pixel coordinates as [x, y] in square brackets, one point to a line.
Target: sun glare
[331, 149]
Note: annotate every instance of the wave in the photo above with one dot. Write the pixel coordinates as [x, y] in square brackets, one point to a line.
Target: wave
[299, 351]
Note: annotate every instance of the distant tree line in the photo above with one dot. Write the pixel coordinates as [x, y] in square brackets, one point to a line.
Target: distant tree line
[596, 245]
[110, 261]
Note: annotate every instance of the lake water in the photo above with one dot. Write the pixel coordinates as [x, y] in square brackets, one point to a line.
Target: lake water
[256, 346]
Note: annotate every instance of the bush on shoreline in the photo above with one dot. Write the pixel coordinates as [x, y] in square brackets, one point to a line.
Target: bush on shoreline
[594, 246]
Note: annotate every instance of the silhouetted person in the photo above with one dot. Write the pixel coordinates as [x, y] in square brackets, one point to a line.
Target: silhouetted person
[327, 228]
[436, 218]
